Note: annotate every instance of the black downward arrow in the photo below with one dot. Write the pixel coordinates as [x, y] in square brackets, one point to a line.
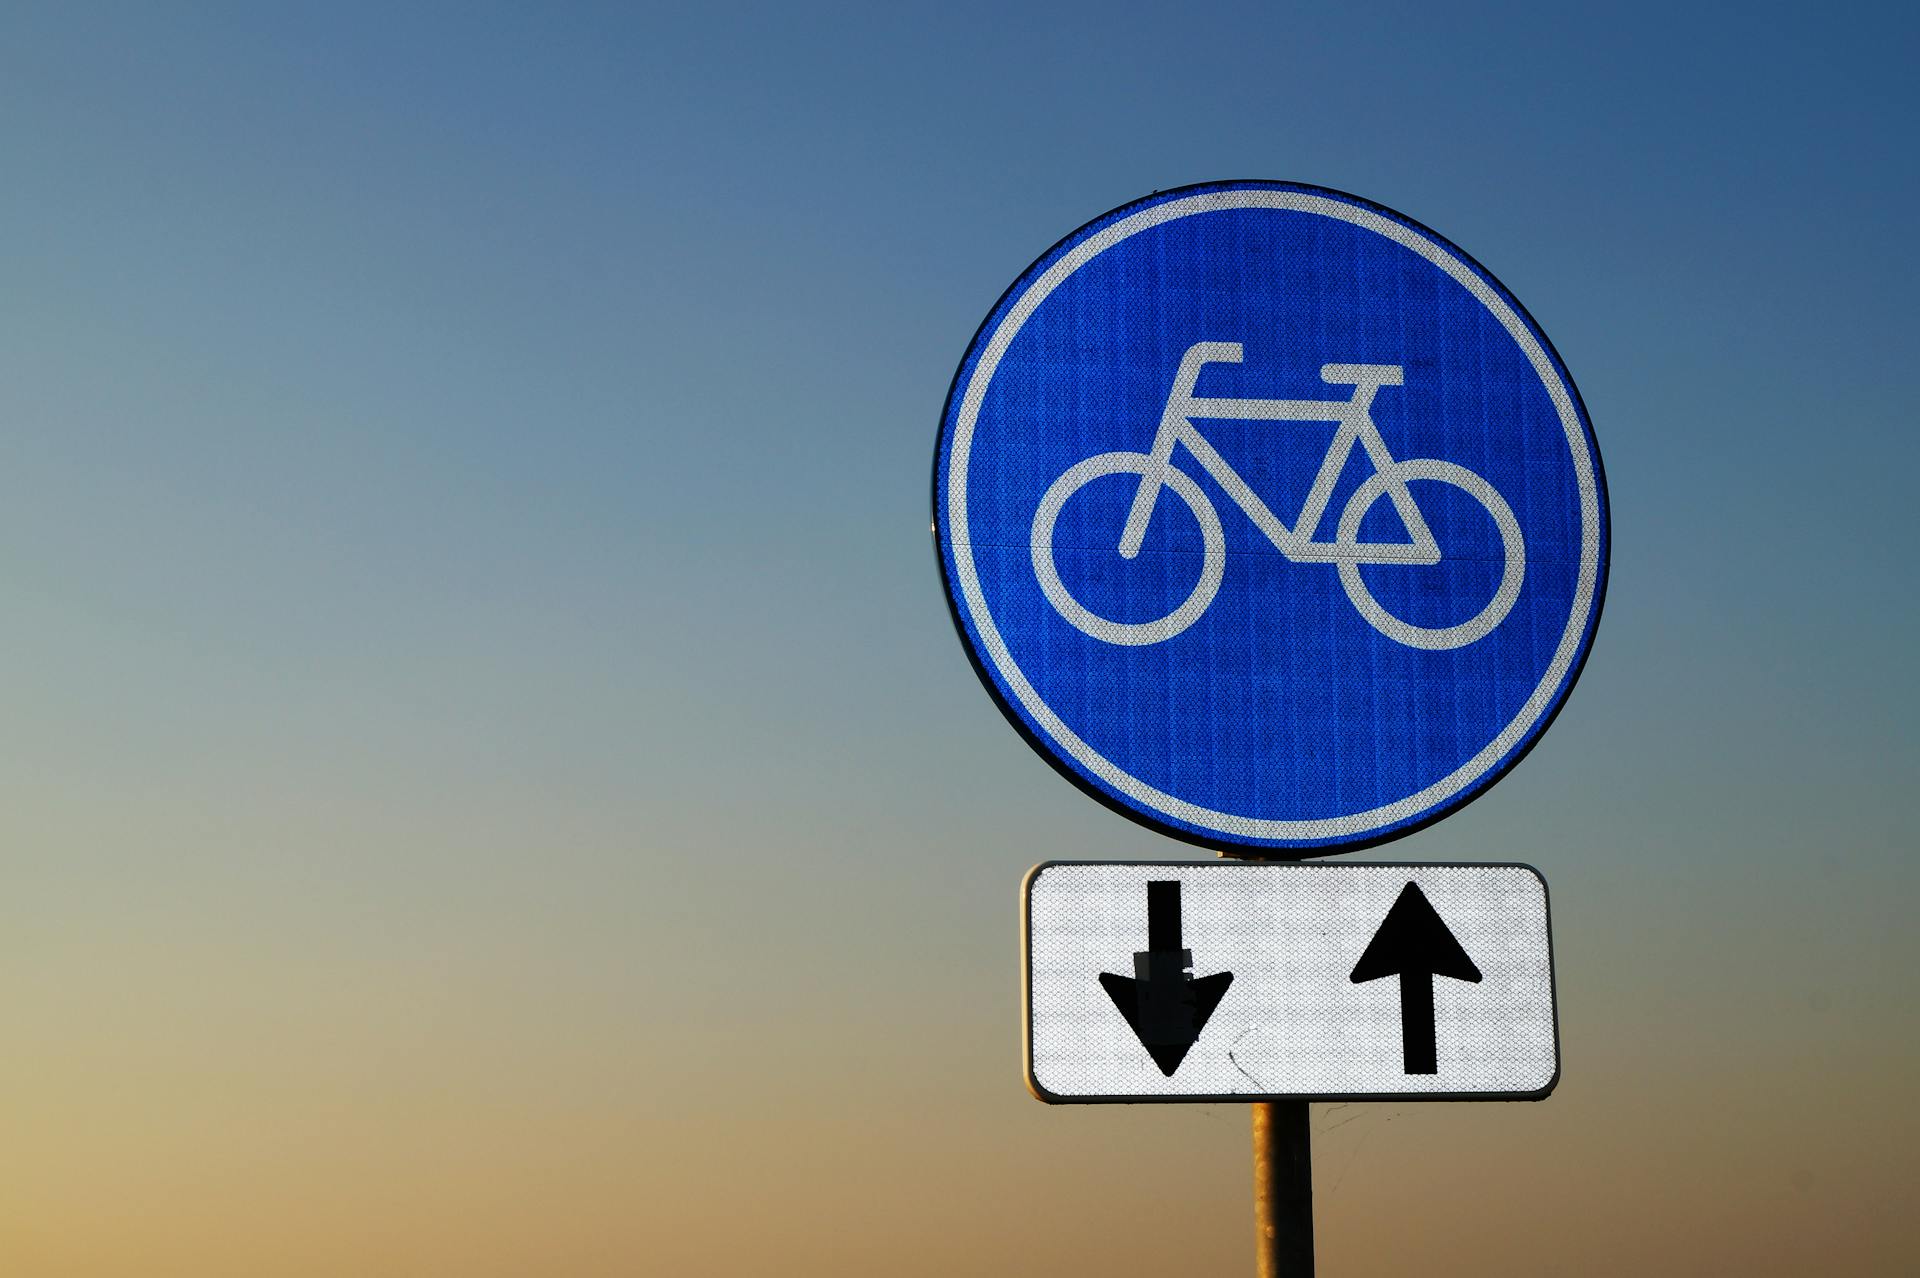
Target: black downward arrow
[1165, 1004]
[1415, 945]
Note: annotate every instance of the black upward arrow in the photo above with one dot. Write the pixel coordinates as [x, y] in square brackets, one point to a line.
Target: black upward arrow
[1415, 945]
[1165, 1004]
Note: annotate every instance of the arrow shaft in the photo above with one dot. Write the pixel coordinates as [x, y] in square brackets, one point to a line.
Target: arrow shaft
[1416, 1023]
[1163, 916]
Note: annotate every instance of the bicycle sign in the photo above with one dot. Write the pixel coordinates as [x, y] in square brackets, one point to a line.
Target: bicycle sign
[1270, 518]
[1356, 426]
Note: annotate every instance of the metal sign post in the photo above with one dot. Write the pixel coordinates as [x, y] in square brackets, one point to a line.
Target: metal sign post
[1271, 520]
[1282, 1190]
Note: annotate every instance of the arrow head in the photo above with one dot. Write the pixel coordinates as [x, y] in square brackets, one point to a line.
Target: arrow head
[1167, 1009]
[1413, 938]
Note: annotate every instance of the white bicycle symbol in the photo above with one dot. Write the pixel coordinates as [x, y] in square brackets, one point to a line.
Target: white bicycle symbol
[1354, 417]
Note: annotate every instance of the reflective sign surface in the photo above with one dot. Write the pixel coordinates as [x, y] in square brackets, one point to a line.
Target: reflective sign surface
[1270, 518]
[1225, 981]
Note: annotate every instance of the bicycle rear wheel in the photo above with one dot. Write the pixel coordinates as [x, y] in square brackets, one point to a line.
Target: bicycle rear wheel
[1512, 573]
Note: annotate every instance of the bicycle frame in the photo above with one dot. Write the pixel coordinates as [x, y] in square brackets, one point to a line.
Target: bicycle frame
[1352, 416]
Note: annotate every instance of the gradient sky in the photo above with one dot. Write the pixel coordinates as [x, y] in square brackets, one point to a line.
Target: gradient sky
[491, 787]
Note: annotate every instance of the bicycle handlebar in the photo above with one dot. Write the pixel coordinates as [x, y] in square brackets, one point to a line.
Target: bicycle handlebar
[1361, 374]
[1366, 379]
[1201, 354]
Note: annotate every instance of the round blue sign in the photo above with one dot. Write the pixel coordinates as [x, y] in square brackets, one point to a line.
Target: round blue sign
[1270, 518]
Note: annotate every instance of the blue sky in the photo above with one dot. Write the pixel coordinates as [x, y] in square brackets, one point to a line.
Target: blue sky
[464, 517]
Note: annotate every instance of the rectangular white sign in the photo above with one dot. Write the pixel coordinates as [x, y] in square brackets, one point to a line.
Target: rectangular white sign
[1244, 981]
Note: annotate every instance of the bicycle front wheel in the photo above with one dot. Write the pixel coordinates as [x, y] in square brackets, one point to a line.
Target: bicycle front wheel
[1512, 573]
[1213, 559]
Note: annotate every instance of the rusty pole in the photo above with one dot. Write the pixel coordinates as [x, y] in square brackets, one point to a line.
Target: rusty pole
[1282, 1190]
